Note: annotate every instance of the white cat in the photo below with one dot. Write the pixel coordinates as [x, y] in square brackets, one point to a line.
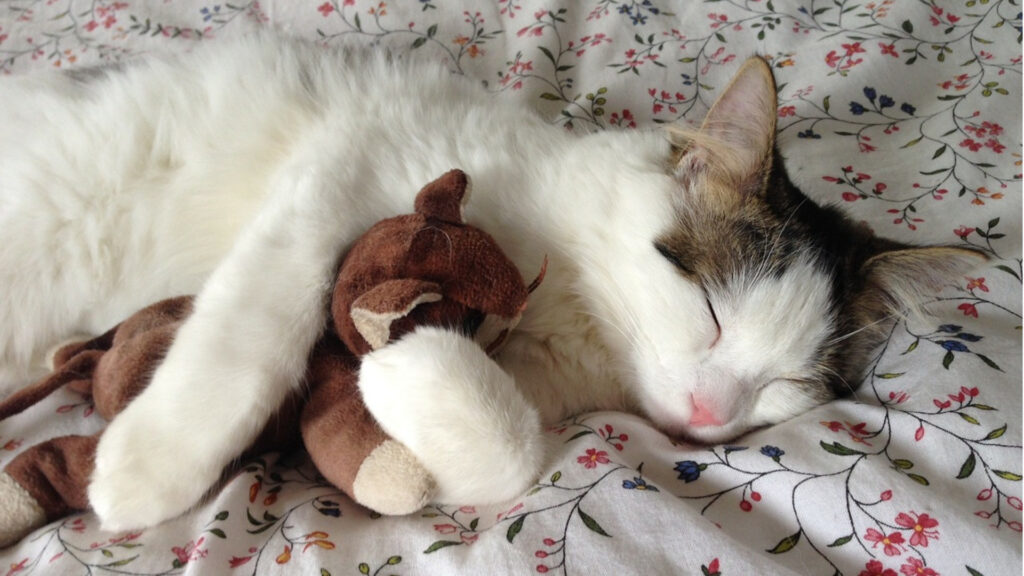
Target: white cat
[688, 279]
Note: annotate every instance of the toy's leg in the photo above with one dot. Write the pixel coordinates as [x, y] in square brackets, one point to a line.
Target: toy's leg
[76, 373]
[350, 449]
[46, 482]
[20, 513]
[459, 413]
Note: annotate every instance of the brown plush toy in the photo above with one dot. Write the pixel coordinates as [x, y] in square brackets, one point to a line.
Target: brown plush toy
[426, 268]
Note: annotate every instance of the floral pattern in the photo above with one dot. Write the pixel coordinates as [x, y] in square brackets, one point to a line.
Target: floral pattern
[906, 114]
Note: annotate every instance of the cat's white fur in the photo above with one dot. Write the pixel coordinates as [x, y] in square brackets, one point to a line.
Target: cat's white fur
[240, 172]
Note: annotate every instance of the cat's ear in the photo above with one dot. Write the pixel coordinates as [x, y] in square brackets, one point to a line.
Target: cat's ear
[904, 279]
[734, 144]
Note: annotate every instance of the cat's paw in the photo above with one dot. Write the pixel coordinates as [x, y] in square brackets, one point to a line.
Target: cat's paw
[458, 412]
[145, 473]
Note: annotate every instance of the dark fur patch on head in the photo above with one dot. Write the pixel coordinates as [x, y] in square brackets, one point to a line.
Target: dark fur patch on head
[726, 236]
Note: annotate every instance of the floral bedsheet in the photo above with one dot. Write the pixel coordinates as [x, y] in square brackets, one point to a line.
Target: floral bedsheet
[907, 114]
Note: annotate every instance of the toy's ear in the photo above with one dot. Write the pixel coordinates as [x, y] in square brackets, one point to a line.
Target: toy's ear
[375, 311]
[445, 197]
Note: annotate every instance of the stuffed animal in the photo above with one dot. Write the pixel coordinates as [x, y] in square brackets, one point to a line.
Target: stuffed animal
[426, 268]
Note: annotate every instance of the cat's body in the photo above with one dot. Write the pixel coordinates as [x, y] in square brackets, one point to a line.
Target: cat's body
[241, 173]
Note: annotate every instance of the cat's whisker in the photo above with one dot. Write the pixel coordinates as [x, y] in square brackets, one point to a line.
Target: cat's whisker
[850, 334]
[852, 389]
[766, 261]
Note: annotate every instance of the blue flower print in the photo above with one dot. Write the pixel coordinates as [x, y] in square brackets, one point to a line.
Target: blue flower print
[953, 345]
[688, 470]
[638, 483]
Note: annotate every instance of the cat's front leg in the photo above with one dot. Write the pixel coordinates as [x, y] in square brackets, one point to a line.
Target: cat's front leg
[232, 363]
[463, 417]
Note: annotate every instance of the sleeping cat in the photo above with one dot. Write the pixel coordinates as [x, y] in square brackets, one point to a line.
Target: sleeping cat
[689, 280]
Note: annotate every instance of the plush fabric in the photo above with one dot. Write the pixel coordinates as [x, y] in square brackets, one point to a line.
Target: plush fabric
[907, 114]
[380, 294]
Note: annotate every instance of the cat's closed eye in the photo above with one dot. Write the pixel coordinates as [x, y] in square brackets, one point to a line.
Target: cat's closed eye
[685, 268]
[714, 317]
[674, 258]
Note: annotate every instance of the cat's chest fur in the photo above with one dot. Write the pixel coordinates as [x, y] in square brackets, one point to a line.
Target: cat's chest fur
[558, 356]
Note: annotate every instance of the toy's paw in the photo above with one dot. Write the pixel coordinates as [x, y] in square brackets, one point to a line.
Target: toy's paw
[145, 473]
[458, 412]
[19, 514]
[392, 481]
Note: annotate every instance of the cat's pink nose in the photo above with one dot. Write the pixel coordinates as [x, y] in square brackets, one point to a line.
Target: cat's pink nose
[702, 415]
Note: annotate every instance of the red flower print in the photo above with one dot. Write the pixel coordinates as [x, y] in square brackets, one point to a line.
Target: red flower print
[971, 144]
[888, 49]
[992, 128]
[593, 457]
[191, 551]
[963, 231]
[921, 525]
[850, 196]
[886, 496]
[892, 544]
[626, 120]
[875, 568]
[976, 283]
[969, 309]
[995, 145]
[445, 528]
[326, 8]
[852, 49]
[915, 567]
[787, 111]
[237, 561]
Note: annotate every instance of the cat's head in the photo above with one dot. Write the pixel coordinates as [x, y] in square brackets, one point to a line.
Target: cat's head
[762, 304]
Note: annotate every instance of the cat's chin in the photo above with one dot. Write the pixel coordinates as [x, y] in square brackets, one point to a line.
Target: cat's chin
[712, 434]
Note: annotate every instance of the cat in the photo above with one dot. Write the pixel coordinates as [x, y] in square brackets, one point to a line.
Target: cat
[688, 281]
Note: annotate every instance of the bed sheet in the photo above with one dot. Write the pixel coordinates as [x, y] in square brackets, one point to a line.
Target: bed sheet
[906, 114]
